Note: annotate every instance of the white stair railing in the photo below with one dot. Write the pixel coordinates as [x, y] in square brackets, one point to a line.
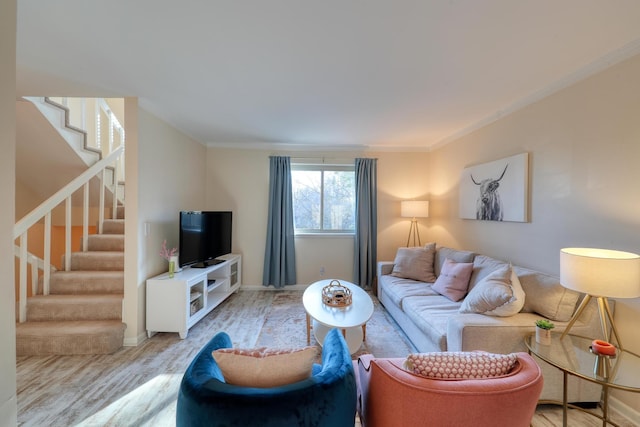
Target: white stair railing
[103, 129]
[21, 228]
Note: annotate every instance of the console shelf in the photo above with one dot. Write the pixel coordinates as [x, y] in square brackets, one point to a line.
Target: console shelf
[176, 304]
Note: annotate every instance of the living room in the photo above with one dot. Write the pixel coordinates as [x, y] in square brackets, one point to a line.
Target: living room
[581, 136]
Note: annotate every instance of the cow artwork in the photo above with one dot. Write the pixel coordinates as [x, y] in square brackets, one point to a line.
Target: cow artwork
[489, 205]
[504, 190]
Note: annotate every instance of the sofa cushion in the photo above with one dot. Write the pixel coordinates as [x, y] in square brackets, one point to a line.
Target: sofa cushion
[453, 280]
[262, 367]
[415, 263]
[431, 314]
[397, 288]
[498, 294]
[546, 296]
[460, 365]
[442, 253]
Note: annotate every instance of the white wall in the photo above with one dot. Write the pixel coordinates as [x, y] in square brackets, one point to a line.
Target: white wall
[165, 174]
[584, 145]
[8, 404]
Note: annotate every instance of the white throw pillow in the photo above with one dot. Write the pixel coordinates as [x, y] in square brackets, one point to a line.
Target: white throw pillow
[498, 294]
[262, 367]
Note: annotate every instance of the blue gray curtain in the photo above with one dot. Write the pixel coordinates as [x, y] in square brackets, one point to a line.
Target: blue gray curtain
[280, 254]
[366, 222]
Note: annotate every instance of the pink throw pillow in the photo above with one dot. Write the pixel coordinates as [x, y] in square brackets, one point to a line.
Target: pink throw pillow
[453, 281]
[460, 365]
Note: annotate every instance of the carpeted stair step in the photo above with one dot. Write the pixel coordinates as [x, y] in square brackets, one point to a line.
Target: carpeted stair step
[47, 308]
[113, 226]
[120, 212]
[69, 337]
[85, 282]
[96, 261]
[105, 242]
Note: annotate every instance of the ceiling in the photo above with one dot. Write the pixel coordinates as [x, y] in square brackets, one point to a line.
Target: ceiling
[348, 74]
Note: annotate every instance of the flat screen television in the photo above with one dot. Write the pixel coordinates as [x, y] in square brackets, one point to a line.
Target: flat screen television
[204, 236]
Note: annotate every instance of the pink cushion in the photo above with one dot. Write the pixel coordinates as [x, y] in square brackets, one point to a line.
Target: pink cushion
[453, 280]
[460, 365]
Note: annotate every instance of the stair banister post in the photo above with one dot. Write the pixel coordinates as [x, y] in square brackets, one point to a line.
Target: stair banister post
[33, 261]
[114, 213]
[67, 235]
[85, 217]
[47, 253]
[101, 206]
[22, 307]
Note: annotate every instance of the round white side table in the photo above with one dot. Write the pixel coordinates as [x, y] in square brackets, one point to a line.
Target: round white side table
[351, 319]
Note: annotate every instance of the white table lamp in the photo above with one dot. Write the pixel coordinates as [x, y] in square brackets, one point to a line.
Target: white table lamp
[600, 273]
[414, 209]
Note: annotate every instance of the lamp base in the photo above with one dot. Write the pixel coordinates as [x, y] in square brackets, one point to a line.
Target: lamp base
[605, 313]
[414, 231]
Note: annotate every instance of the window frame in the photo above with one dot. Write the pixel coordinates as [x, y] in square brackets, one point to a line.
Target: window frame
[322, 168]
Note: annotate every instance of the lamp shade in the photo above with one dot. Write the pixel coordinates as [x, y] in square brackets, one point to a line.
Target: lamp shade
[414, 209]
[600, 272]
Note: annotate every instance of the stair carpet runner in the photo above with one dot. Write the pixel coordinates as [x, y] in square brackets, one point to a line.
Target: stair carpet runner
[83, 312]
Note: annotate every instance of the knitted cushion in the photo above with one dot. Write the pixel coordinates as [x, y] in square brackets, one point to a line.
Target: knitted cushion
[460, 365]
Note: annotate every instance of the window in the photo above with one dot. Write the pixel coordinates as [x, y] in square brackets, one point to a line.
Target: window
[323, 198]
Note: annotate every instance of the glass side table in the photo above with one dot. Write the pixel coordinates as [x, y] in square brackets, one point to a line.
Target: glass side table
[572, 356]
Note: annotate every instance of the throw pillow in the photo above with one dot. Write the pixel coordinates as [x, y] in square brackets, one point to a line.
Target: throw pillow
[453, 280]
[460, 365]
[415, 263]
[262, 367]
[498, 294]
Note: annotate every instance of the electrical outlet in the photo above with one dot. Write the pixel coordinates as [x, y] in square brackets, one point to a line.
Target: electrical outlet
[322, 271]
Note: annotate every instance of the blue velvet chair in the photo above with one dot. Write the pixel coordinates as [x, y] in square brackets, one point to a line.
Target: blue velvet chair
[327, 398]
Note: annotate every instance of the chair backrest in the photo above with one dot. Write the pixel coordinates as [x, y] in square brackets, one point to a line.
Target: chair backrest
[389, 396]
[327, 398]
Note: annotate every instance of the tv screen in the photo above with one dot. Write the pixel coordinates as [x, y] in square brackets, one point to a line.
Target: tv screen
[204, 236]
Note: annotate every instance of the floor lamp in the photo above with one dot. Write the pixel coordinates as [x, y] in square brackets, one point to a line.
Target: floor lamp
[414, 209]
[600, 274]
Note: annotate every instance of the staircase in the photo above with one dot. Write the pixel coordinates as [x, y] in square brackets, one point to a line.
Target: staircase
[77, 310]
[83, 312]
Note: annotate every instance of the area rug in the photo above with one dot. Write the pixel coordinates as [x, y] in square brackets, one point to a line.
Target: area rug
[285, 326]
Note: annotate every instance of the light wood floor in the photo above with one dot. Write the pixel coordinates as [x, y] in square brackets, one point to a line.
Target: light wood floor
[137, 386]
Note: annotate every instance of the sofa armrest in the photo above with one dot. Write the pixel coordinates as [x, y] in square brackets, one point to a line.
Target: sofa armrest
[384, 267]
[469, 332]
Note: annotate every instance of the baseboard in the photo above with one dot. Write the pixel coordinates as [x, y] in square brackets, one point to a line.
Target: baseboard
[135, 341]
[625, 411]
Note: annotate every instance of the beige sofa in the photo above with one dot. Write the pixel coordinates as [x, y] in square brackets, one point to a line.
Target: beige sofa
[433, 322]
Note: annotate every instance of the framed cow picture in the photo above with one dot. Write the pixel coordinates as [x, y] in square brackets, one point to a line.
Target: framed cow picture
[496, 191]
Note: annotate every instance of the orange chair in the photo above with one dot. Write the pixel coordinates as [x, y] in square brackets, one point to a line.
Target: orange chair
[389, 396]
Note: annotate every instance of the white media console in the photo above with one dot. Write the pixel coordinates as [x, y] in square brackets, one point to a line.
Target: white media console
[176, 304]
